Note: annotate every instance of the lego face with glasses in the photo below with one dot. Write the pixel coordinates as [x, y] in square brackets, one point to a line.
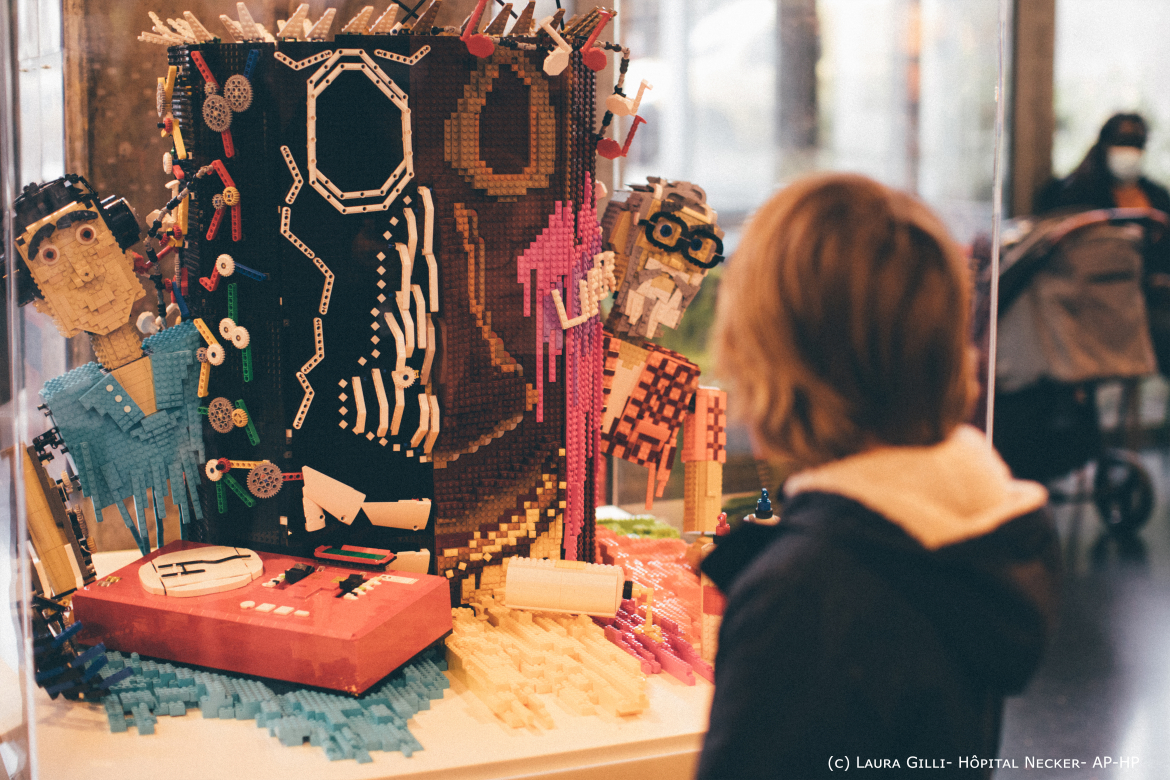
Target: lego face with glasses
[666, 239]
[85, 281]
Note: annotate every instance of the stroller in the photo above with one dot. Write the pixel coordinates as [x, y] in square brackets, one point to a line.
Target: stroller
[1072, 314]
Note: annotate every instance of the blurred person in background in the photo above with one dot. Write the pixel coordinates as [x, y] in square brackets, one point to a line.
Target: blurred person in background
[1111, 177]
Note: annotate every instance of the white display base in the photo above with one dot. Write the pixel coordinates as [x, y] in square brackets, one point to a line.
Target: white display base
[461, 740]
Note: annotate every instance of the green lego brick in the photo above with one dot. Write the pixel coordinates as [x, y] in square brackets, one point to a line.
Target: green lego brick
[238, 489]
[250, 429]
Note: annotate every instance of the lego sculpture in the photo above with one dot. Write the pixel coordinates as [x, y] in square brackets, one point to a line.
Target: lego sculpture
[130, 422]
[382, 338]
[663, 239]
[396, 285]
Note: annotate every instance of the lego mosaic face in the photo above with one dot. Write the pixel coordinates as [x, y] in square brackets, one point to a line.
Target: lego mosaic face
[666, 239]
[86, 282]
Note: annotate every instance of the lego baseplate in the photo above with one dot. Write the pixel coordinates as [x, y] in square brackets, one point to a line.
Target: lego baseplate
[304, 632]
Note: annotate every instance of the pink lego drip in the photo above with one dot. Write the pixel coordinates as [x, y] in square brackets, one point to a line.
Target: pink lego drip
[561, 256]
[583, 365]
[550, 255]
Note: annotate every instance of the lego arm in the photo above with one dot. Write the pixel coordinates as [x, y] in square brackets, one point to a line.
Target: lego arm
[704, 453]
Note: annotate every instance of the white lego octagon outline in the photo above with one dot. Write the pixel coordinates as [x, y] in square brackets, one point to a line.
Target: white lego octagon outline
[402, 175]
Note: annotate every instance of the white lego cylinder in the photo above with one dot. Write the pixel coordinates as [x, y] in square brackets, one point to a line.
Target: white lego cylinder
[564, 586]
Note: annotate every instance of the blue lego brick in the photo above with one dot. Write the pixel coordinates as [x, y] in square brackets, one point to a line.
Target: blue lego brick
[144, 720]
[344, 727]
[119, 453]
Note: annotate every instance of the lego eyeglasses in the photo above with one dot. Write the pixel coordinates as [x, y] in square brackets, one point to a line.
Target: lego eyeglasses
[699, 245]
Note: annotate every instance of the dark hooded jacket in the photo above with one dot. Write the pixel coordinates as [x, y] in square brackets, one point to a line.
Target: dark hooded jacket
[850, 637]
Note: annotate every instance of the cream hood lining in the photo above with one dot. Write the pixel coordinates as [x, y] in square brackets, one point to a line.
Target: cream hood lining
[942, 494]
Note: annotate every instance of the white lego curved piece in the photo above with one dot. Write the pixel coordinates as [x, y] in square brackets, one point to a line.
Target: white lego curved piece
[200, 571]
[428, 246]
[383, 402]
[359, 400]
[400, 365]
[332, 495]
[411, 237]
[424, 417]
[434, 432]
[408, 515]
[420, 308]
[425, 374]
[399, 341]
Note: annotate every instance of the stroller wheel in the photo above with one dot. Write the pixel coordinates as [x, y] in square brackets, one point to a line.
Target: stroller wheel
[1122, 491]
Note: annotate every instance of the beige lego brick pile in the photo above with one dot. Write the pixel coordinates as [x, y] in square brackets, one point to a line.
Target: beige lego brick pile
[512, 659]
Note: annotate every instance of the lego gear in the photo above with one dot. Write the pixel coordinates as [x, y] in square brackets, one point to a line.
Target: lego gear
[240, 337]
[239, 418]
[168, 163]
[201, 354]
[211, 469]
[265, 480]
[226, 326]
[404, 377]
[238, 92]
[216, 355]
[219, 414]
[231, 196]
[217, 113]
[217, 201]
[226, 267]
[160, 99]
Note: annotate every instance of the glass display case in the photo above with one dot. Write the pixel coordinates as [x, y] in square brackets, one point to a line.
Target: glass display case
[329, 329]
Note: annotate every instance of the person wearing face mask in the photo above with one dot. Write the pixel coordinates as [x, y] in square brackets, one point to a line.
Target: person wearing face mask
[1110, 176]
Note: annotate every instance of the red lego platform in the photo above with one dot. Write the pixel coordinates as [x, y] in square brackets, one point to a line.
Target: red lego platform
[302, 632]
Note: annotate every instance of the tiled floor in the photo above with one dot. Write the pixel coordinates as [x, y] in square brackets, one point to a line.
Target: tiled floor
[1103, 690]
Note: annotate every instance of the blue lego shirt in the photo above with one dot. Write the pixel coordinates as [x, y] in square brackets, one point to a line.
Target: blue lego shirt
[119, 451]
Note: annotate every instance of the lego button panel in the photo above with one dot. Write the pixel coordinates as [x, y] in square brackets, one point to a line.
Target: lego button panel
[200, 571]
[301, 621]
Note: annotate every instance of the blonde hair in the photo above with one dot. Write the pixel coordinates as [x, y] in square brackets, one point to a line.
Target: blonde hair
[842, 322]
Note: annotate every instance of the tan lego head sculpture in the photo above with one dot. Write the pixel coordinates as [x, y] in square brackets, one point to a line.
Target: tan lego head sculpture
[72, 246]
[665, 238]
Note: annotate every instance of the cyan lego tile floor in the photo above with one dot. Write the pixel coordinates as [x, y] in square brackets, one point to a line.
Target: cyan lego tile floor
[1103, 689]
